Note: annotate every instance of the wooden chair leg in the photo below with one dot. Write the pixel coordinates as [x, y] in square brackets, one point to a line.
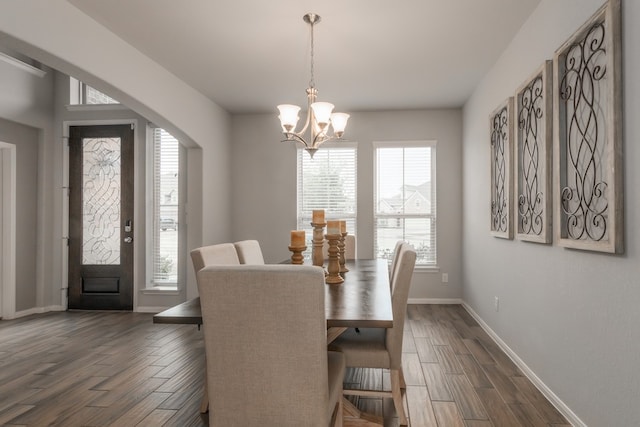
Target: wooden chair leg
[403, 384]
[396, 381]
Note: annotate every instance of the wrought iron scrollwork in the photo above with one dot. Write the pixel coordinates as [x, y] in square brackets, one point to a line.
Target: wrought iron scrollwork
[499, 147]
[584, 189]
[101, 201]
[530, 193]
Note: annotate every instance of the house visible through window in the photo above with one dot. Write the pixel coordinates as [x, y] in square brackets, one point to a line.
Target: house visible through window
[164, 212]
[328, 181]
[405, 199]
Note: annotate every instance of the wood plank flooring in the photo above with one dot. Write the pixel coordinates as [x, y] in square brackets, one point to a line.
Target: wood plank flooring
[120, 369]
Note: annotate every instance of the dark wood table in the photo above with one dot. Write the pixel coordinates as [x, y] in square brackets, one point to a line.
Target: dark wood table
[362, 301]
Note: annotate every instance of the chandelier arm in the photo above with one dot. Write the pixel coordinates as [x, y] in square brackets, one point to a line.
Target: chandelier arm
[294, 137]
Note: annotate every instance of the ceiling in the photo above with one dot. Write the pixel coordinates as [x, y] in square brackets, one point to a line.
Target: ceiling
[250, 55]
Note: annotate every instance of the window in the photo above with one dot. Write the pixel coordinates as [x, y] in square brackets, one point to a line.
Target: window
[164, 212]
[83, 94]
[405, 199]
[328, 181]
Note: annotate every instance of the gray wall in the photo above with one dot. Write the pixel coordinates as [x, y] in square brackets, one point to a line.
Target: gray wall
[264, 185]
[26, 107]
[571, 316]
[26, 139]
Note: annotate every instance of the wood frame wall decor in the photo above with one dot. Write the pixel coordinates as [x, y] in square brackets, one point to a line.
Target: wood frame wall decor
[587, 135]
[501, 136]
[533, 148]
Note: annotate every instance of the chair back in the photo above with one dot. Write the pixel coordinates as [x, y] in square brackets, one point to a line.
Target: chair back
[394, 260]
[249, 252]
[400, 284]
[266, 345]
[221, 254]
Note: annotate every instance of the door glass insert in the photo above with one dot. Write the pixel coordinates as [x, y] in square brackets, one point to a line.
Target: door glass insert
[101, 178]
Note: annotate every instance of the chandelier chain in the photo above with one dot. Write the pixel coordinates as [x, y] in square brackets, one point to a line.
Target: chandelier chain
[312, 82]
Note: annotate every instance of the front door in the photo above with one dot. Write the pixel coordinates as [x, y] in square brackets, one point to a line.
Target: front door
[101, 217]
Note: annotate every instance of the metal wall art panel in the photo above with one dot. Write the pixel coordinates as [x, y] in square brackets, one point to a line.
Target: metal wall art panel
[501, 136]
[533, 149]
[588, 133]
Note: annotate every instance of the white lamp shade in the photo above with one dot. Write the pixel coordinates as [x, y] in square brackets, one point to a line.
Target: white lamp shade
[288, 116]
[339, 122]
[322, 111]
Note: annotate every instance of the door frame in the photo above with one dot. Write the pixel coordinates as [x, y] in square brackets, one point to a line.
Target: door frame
[65, 202]
[8, 231]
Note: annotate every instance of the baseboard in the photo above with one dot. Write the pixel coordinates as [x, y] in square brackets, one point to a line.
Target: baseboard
[35, 310]
[434, 301]
[546, 391]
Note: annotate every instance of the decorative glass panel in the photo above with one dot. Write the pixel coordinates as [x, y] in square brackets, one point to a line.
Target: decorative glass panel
[101, 201]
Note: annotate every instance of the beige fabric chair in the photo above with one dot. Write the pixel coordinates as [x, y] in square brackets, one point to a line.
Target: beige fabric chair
[265, 338]
[249, 252]
[349, 247]
[220, 254]
[382, 348]
[394, 260]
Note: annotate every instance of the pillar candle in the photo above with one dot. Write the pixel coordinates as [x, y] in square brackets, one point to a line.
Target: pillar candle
[318, 216]
[297, 238]
[343, 226]
[333, 227]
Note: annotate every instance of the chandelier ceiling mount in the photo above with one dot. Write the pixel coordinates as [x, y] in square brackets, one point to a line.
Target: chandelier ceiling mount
[320, 115]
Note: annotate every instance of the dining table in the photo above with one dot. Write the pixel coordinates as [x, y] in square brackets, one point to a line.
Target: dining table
[363, 300]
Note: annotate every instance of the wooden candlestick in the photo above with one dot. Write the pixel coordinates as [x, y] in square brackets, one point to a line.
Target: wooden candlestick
[341, 246]
[333, 278]
[296, 256]
[318, 241]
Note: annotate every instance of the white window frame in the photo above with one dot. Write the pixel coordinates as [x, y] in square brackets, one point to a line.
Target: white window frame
[432, 144]
[153, 222]
[303, 220]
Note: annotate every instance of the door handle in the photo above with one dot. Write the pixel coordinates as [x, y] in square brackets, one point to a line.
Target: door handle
[128, 239]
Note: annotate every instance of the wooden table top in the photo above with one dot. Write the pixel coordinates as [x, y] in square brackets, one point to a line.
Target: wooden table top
[362, 301]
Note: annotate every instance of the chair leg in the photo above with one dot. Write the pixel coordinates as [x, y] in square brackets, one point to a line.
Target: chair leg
[396, 384]
[339, 414]
[403, 384]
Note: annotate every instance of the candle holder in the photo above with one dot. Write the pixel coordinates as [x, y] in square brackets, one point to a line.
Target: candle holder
[333, 278]
[318, 241]
[341, 247]
[296, 256]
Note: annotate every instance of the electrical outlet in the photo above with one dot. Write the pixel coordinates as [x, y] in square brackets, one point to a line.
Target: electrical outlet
[445, 277]
[496, 303]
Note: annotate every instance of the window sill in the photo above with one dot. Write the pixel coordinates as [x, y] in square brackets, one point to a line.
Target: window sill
[427, 268]
[160, 290]
[96, 107]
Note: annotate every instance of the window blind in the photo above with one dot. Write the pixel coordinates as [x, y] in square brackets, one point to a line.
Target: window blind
[165, 208]
[405, 199]
[328, 181]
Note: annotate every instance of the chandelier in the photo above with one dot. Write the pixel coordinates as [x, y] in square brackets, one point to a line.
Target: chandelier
[319, 114]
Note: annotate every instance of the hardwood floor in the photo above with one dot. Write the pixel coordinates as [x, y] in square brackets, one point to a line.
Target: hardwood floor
[120, 369]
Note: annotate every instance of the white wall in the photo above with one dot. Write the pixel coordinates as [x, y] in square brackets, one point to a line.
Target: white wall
[571, 316]
[264, 185]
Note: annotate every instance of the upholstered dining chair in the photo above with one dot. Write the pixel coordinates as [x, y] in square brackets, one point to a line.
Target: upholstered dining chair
[382, 348]
[220, 254]
[349, 247]
[249, 252]
[394, 259]
[266, 347]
